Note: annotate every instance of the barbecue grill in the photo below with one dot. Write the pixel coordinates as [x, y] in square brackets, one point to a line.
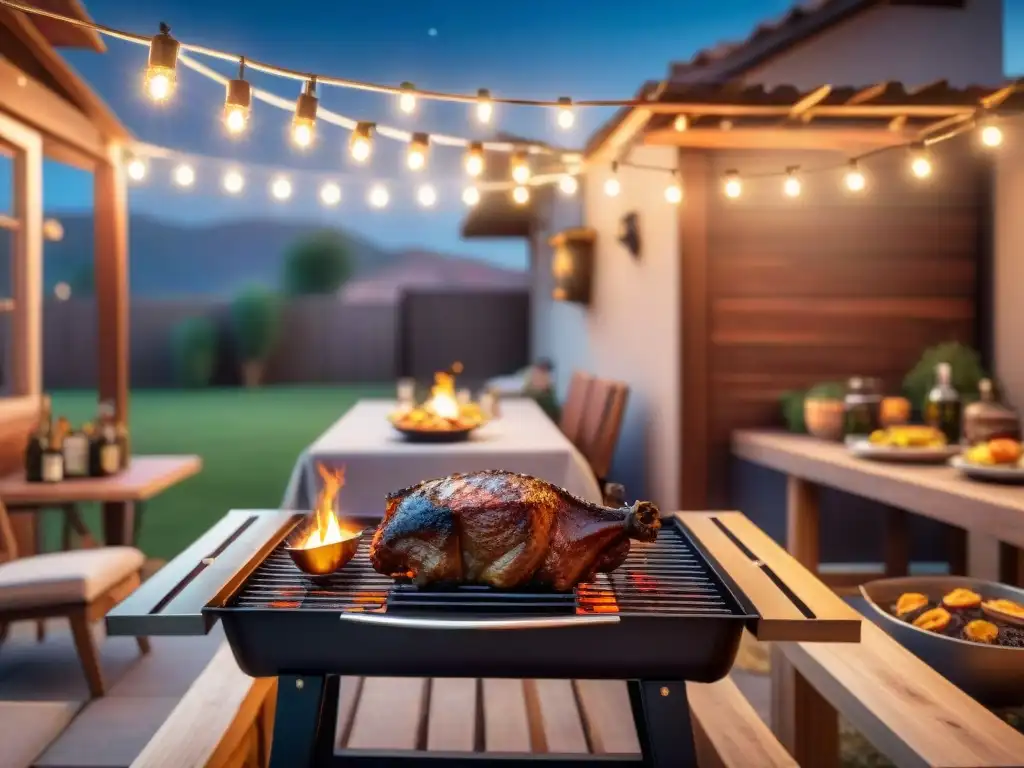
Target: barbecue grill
[670, 614]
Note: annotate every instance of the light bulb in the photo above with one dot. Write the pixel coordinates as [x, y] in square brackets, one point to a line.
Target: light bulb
[360, 144]
[378, 196]
[302, 133]
[416, 158]
[612, 187]
[330, 193]
[921, 165]
[304, 121]
[733, 186]
[184, 175]
[520, 168]
[281, 188]
[791, 187]
[62, 291]
[855, 180]
[681, 123]
[484, 106]
[521, 195]
[992, 136]
[673, 194]
[475, 159]
[160, 77]
[471, 196]
[566, 117]
[568, 184]
[237, 103]
[427, 196]
[233, 182]
[407, 98]
[136, 169]
[235, 119]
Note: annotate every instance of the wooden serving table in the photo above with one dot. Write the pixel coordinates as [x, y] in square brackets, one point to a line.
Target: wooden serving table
[121, 497]
[935, 491]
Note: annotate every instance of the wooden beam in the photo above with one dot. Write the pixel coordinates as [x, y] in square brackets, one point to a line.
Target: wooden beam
[9, 222]
[110, 253]
[33, 103]
[993, 100]
[621, 137]
[802, 109]
[867, 94]
[847, 110]
[898, 124]
[56, 150]
[777, 138]
[942, 126]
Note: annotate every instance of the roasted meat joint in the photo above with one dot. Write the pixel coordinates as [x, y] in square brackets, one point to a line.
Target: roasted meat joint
[504, 530]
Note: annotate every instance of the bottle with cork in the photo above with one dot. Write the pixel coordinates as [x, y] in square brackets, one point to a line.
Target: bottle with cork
[53, 456]
[942, 410]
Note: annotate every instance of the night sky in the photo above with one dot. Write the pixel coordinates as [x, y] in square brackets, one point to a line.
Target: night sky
[530, 48]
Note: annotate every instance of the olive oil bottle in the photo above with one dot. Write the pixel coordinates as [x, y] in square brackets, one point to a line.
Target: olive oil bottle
[53, 457]
[104, 451]
[942, 411]
[38, 442]
[76, 454]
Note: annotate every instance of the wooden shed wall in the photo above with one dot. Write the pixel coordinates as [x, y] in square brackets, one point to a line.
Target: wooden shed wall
[826, 286]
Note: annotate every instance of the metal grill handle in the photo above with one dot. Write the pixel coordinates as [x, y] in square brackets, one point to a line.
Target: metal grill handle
[546, 622]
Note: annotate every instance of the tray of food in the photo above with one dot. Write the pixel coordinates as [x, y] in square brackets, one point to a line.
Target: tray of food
[970, 631]
[442, 418]
[905, 442]
[999, 461]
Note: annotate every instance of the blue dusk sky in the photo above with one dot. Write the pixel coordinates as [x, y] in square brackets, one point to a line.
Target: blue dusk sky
[530, 48]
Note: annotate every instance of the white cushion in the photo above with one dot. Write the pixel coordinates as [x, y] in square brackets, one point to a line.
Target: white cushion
[56, 578]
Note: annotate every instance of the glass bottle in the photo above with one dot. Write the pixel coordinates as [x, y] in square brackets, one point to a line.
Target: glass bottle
[53, 458]
[988, 418]
[942, 409]
[76, 453]
[37, 443]
[862, 407]
[104, 453]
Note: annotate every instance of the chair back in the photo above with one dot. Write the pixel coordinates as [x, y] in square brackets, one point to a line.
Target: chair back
[602, 422]
[8, 544]
[574, 409]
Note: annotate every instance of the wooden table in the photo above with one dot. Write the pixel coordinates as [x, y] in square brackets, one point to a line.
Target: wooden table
[938, 492]
[121, 496]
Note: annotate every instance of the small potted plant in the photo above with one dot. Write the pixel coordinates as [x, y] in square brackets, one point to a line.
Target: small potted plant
[255, 321]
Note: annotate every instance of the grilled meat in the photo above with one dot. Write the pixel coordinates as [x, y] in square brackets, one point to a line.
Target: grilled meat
[505, 530]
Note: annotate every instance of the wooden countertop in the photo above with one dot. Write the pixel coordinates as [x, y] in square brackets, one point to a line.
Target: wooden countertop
[936, 491]
[146, 477]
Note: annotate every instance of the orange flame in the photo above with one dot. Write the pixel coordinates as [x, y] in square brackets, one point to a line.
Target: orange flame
[328, 529]
[442, 395]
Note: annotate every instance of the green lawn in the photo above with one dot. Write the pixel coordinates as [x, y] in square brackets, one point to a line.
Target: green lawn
[248, 439]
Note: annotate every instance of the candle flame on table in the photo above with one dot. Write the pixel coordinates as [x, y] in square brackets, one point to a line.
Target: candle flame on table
[327, 528]
[442, 396]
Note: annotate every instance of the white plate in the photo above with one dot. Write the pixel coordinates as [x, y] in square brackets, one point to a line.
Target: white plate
[995, 474]
[867, 450]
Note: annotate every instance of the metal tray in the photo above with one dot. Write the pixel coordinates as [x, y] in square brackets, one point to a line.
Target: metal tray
[435, 435]
[993, 675]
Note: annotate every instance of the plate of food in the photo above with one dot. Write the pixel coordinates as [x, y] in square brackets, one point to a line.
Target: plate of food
[442, 418]
[904, 442]
[970, 631]
[998, 461]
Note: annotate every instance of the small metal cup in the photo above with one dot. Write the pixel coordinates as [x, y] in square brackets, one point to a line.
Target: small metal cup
[327, 558]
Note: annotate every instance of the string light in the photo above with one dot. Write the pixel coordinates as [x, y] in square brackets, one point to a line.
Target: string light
[520, 167]
[792, 187]
[733, 186]
[281, 188]
[991, 136]
[474, 162]
[612, 187]
[674, 191]
[184, 175]
[233, 182]
[407, 98]
[567, 184]
[566, 117]
[136, 169]
[521, 195]
[360, 144]
[471, 196]
[416, 157]
[378, 196]
[484, 106]
[920, 163]
[161, 75]
[426, 195]
[304, 121]
[237, 102]
[854, 179]
[330, 194]
[681, 123]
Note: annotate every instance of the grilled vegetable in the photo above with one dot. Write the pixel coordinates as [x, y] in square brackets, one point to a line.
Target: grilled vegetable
[981, 631]
[1004, 451]
[1004, 609]
[960, 599]
[505, 530]
[935, 620]
[909, 602]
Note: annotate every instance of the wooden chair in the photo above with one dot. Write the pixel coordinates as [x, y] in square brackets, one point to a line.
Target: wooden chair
[81, 585]
[571, 422]
[602, 421]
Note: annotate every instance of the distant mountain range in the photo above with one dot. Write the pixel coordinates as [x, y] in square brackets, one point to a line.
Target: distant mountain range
[169, 259]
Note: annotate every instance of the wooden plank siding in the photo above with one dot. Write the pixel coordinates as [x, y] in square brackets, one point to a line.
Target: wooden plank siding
[830, 285]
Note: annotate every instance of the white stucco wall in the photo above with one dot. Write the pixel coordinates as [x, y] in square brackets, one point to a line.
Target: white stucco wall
[1008, 270]
[912, 45]
[629, 332]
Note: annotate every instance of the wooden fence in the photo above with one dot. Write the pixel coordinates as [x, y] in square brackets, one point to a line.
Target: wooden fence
[322, 338]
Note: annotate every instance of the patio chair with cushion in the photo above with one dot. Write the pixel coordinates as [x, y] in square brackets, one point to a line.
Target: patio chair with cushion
[81, 585]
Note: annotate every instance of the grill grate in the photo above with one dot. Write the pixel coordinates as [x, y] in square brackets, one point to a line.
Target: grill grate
[665, 578]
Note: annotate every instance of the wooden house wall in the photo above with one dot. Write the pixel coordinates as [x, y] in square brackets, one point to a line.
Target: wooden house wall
[829, 285]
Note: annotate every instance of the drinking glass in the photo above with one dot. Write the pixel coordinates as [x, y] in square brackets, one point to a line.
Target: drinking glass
[406, 392]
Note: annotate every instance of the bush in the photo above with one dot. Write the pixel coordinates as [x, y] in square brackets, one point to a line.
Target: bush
[965, 365]
[255, 321]
[195, 351]
[320, 263]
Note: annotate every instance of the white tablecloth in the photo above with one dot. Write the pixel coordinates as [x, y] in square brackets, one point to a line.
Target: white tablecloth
[377, 460]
